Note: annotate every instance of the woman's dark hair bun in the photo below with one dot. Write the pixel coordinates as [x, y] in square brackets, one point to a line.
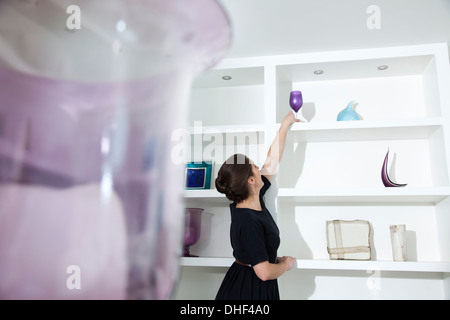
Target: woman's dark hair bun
[221, 187]
[233, 176]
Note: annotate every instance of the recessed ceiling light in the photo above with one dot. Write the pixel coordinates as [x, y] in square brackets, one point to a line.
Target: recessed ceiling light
[382, 67]
[318, 71]
[226, 77]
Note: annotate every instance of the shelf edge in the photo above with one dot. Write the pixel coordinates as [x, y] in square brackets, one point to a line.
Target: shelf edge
[336, 265]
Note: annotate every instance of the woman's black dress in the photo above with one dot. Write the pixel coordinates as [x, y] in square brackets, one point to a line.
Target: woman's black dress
[254, 238]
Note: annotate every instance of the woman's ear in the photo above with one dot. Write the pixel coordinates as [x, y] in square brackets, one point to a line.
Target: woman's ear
[251, 180]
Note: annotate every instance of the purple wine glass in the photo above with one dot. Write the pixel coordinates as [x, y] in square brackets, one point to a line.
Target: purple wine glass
[296, 101]
[192, 226]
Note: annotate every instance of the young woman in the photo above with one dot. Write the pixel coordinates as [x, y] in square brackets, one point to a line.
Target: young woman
[254, 234]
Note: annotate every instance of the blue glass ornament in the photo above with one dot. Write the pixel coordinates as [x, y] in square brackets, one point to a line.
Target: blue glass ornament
[348, 114]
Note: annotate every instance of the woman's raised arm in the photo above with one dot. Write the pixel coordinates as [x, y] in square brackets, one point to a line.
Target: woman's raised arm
[277, 147]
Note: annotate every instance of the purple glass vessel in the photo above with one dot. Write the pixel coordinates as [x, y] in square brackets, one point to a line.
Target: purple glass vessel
[90, 196]
[192, 228]
[296, 100]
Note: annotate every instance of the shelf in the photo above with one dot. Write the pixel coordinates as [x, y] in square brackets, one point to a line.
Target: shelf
[331, 169]
[307, 264]
[412, 266]
[207, 197]
[366, 194]
[203, 194]
[360, 68]
[364, 130]
[339, 195]
[206, 262]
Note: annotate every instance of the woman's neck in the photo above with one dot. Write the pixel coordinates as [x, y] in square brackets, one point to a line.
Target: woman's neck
[252, 202]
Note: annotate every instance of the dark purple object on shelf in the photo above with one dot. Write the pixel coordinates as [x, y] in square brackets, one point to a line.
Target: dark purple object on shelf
[192, 227]
[385, 177]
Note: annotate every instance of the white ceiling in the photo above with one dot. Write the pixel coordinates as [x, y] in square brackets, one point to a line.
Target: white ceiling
[269, 27]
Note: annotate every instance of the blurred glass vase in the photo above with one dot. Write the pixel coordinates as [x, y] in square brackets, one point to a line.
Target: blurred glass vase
[88, 109]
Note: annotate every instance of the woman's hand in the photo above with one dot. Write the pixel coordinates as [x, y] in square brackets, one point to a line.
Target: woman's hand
[289, 119]
[269, 271]
[289, 261]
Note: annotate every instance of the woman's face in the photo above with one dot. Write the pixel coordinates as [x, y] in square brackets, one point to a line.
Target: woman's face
[257, 175]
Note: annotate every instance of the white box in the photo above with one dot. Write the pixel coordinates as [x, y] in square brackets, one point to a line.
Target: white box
[348, 240]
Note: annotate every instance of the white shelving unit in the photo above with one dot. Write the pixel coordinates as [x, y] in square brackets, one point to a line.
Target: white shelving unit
[330, 169]
[334, 265]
